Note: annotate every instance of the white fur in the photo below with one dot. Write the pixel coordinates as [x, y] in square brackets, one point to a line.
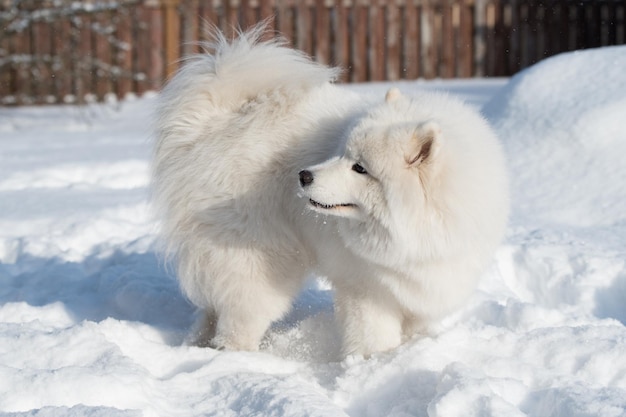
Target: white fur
[407, 244]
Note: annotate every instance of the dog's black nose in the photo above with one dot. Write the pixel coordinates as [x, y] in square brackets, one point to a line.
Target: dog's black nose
[306, 177]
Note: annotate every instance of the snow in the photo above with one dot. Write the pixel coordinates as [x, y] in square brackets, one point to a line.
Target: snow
[92, 323]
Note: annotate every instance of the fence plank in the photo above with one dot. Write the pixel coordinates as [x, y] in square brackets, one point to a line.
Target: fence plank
[62, 67]
[189, 24]
[304, 38]
[267, 14]
[446, 69]
[284, 24]
[102, 51]
[393, 58]
[141, 54]
[6, 83]
[620, 23]
[340, 25]
[536, 51]
[466, 46]
[322, 33]
[411, 41]
[231, 17]
[83, 81]
[376, 55]
[209, 17]
[564, 26]
[592, 24]
[248, 12]
[42, 67]
[550, 22]
[172, 38]
[359, 42]
[23, 85]
[429, 47]
[123, 56]
[514, 55]
[156, 71]
[15, 55]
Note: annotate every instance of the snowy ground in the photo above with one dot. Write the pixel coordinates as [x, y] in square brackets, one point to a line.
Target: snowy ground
[92, 325]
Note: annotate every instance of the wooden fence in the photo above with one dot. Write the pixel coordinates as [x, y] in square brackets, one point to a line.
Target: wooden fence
[79, 51]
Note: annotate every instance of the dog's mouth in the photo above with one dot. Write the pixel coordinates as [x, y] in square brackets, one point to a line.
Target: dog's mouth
[323, 206]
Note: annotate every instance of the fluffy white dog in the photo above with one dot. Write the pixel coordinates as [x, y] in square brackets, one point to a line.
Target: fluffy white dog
[265, 172]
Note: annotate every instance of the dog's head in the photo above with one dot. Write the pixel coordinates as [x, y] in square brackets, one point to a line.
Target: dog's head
[387, 160]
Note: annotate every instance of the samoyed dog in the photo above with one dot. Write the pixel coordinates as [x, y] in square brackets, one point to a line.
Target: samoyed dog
[265, 172]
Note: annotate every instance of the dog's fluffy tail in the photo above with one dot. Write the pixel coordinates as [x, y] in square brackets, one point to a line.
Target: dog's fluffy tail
[231, 73]
[198, 104]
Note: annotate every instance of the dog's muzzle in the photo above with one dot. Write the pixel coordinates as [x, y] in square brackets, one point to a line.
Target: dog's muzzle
[306, 178]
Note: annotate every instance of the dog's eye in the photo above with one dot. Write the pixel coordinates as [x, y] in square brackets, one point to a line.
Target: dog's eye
[358, 168]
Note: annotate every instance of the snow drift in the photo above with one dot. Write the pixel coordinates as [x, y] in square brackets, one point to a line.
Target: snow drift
[567, 112]
[91, 323]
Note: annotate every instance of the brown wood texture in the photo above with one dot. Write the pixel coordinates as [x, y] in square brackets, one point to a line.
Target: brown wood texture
[76, 51]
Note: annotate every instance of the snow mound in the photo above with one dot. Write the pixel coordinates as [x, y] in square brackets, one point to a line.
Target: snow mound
[562, 123]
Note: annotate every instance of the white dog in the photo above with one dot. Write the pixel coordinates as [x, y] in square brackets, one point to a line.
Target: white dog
[264, 172]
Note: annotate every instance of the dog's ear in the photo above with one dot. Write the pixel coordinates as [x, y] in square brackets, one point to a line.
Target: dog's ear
[392, 95]
[424, 144]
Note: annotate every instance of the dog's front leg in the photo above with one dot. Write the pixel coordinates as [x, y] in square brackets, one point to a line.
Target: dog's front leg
[371, 321]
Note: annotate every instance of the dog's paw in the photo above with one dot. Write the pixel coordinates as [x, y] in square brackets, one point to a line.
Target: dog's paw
[232, 343]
